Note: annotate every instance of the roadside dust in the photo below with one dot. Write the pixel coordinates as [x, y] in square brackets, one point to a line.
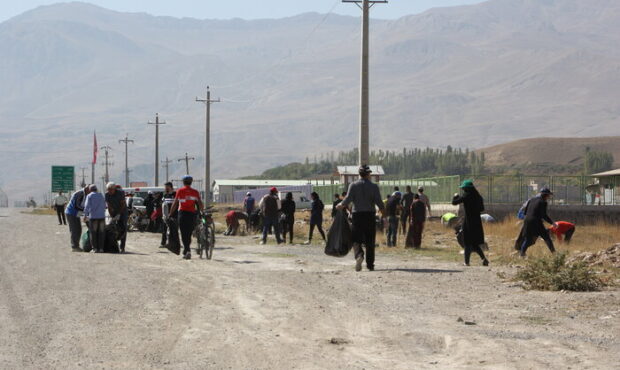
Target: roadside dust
[279, 307]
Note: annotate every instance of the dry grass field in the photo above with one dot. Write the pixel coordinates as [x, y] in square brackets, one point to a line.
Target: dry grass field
[440, 241]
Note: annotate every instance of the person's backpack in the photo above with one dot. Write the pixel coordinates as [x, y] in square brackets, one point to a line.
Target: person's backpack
[339, 238]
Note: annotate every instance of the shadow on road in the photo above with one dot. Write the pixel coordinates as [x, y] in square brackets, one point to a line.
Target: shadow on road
[421, 271]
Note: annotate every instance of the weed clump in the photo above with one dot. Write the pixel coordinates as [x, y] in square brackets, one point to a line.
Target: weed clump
[555, 273]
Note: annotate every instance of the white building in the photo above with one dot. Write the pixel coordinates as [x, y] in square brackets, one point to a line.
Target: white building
[223, 190]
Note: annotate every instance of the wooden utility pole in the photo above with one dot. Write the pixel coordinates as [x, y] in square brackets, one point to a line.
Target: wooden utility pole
[207, 181]
[166, 165]
[126, 140]
[156, 123]
[364, 143]
[186, 159]
[106, 149]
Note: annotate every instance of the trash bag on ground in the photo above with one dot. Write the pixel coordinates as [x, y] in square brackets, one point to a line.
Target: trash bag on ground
[174, 245]
[111, 238]
[339, 238]
[85, 242]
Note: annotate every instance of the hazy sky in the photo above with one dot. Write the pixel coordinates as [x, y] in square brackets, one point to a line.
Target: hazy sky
[247, 9]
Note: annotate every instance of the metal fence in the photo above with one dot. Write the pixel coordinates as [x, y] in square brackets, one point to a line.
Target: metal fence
[504, 189]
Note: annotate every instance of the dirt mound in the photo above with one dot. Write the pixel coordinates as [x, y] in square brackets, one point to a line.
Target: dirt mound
[608, 257]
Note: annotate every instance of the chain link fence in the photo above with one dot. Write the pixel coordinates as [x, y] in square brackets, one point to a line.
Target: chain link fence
[503, 189]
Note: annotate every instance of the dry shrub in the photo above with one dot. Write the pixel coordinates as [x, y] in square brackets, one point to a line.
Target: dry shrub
[555, 273]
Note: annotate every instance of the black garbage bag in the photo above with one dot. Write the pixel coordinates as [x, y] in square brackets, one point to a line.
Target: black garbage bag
[112, 234]
[339, 238]
[174, 245]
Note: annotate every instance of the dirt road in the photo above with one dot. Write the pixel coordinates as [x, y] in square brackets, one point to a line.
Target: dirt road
[269, 307]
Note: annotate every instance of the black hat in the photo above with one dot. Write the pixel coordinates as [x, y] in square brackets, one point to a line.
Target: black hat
[364, 169]
[546, 190]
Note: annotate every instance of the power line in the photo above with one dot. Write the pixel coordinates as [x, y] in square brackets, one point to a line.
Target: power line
[187, 158]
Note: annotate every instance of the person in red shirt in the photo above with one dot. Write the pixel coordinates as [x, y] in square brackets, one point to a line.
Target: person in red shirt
[232, 222]
[188, 202]
[563, 228]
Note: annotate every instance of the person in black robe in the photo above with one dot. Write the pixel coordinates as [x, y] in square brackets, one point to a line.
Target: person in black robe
[535, 212]
[473, 234]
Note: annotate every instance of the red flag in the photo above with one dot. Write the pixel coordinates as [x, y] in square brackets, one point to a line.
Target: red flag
[95, 150]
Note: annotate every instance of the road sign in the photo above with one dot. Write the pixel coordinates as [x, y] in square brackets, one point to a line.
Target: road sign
[63, 178]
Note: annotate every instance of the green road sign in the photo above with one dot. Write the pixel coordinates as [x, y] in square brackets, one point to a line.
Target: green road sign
[63, 178]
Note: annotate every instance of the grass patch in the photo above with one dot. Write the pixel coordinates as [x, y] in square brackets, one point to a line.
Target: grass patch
[40, 212]
[277, 255]
[555, 273]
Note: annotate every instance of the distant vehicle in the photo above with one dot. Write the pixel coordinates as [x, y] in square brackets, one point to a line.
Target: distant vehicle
[143, 192]
[300, 198]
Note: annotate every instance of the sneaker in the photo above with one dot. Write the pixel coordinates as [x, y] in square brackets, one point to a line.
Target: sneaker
[262, 242]
[485, 262]
[358, 263]
[76, 250]
[163, 246]
[187, 256]
[371, 268]
[308, 242]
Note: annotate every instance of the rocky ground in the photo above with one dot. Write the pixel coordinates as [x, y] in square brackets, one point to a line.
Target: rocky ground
[267, 307]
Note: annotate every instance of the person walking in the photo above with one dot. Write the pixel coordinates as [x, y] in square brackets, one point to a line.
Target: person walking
[117, 208]
[406, 202]
[535, 212]
[270, 205]
[473, 233]
[248, 204]
[60, 201]
[563, 228]
[75, 206]
[94, 217]
[418, 219]
[316, 216]
[366, 197]
[424, 198]
[187, 202]
[169, 225]
[288, 212]
[392, 209]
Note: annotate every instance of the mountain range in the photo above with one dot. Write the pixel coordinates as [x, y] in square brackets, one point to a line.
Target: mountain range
[469, 76]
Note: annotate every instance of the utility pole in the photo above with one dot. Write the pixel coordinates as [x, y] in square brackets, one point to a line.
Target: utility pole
[83, 169]
[207, 181]
[126, 140]
[365, 101]
[187, 159]
[156, 123]
[106, 149]
[166, 165]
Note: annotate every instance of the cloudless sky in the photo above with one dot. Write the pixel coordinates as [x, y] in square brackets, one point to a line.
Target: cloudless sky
[247, 9]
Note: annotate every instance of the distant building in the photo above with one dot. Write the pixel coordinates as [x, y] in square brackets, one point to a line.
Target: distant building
[349, 174]
[224, 190]
[609, 187]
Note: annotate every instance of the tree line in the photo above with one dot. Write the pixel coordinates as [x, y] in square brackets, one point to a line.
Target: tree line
[408, 163]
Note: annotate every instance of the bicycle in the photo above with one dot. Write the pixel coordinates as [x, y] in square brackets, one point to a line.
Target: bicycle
[205, 234]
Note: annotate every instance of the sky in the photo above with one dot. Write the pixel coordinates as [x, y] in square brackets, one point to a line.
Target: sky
[247, 9]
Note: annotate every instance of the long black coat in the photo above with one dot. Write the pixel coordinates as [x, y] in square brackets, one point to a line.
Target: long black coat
[473, 205]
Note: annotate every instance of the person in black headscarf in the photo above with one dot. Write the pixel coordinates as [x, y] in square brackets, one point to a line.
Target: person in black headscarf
[473, 234]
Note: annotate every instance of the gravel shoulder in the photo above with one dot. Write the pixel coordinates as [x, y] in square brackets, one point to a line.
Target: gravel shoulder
[266, 307]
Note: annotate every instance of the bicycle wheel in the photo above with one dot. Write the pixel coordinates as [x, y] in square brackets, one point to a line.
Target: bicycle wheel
[210, 245]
